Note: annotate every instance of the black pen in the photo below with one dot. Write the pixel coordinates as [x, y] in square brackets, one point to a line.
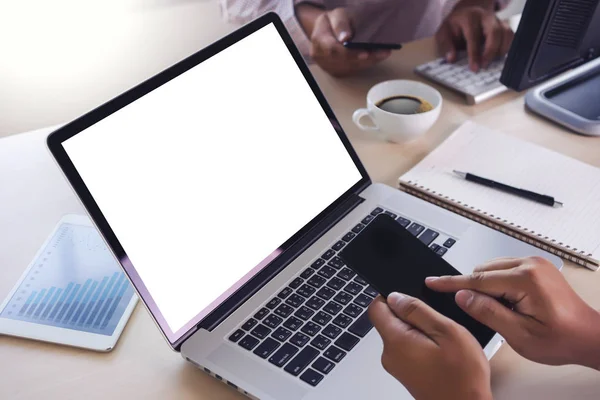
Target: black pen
[539, 198]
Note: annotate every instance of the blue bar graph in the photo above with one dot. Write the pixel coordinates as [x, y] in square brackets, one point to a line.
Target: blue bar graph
[74, 283]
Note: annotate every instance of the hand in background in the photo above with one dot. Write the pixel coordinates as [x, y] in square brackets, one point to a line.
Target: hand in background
[479, 30]
[327, 31]
[431, 355]
[549, 322]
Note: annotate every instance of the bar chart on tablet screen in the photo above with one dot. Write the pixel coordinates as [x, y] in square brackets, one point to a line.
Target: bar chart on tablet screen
[75, 283]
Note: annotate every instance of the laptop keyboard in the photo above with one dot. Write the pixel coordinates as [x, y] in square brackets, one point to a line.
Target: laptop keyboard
[321, 314]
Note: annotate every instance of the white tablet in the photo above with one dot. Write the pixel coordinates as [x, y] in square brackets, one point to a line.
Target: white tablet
[72, 293]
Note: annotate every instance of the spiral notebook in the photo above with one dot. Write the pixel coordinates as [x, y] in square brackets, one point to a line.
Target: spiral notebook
[571, 232]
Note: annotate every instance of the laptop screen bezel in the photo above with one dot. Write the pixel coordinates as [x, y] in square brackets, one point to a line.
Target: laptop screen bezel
[55, 145]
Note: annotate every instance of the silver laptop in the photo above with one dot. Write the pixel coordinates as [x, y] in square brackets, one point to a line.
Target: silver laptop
[226, 187]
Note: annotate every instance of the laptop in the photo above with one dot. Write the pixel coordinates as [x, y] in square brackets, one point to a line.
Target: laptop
[225, 187]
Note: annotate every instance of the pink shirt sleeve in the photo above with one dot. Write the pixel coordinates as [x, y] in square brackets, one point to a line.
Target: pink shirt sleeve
[244, 11]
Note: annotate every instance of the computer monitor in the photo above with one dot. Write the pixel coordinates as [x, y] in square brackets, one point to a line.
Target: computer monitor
[553, 37]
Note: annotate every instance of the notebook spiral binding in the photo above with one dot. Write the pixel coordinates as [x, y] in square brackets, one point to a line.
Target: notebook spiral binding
[499, 224]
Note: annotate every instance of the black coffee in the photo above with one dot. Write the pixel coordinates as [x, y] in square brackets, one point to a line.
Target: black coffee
[404, 105]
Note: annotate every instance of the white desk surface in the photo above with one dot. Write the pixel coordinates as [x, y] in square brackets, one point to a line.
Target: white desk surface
[34, 196]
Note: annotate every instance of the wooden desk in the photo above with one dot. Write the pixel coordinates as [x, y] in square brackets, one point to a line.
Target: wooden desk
[142, 366]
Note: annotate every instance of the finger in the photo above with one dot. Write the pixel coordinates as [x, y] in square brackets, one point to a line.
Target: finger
[493, 33]
[419, 315]
[501, 284]
[491, 313]
[498, 264]
[507, 39]
[471, 30]
[446, 44]
[385, 321]
[340, 24]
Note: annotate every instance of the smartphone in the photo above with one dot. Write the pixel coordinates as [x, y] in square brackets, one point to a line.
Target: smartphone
[391, 259]
[372, 46]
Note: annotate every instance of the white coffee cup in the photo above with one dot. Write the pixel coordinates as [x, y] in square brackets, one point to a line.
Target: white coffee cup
[395, 127]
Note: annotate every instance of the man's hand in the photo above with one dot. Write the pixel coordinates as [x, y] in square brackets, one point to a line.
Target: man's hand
[548, 323]
[327, 31]
[431, 355]
[479, 30]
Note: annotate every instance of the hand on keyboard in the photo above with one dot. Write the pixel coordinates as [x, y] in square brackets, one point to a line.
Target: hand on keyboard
[486, 37]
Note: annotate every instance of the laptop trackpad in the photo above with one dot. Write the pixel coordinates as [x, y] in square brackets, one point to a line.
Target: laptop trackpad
[239, 364]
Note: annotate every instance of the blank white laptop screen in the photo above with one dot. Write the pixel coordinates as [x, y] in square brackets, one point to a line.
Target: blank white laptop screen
[203, 178]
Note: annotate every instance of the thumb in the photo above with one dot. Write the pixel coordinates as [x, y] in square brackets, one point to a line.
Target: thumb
[340, 24]
[490, 312]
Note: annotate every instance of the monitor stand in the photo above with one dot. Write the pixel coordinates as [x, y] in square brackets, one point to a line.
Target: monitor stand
[571, 99]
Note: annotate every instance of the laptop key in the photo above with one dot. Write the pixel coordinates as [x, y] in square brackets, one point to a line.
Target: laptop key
[272, 321]
[428, 237]
[377, 211]
[301, 361]
[307, 273]
[434, 247]
[320, 342]
[248, 342]
[295, 300]
[331, 331]
[332, 308]
[284, 310]
[295, 284]
[342, 320]
[299, 339]
[336, 263]
[306, 290]
[360, 280]
[441, 251]
[346, 274]
[449, 243]
[304, 313]
[273, 303]
[336, 283]
[316, 281]
[367, 219]
[403, 222]
[310, 328]
[363, 300]
[358, 228]
[353, 310]
[361, 326]
[249, 324]
[343, 298]
[353, 288]
[261, 331]
[281, 334]
[326, 293]
[311, 377]
[339, 245]
[416, 229]
[266, 348]
[235, 336]
[347, 341]
[318, 263]
[293, 323]
[283, 355]
[391, 214]
[285, 292]
[315, 303]
[327, 271]
[370, 290]
[348, 236]
[334, 354]
[328, 254]
[322, 318]
[323, 365]
[260, 314]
